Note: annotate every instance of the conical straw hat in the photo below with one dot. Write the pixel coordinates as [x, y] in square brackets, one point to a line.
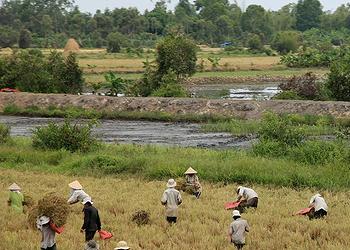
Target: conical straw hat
[191, 171]
[75, 185]
[14, 187]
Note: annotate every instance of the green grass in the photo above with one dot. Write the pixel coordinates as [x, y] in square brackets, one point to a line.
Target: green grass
[95, 78]
[154, 162]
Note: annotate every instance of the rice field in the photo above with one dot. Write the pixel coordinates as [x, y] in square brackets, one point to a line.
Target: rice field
[202, 223]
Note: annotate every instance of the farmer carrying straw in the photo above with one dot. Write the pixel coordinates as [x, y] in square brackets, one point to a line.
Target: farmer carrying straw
[77, 193]
[92, 221]
[247, 198]
[237, 230]
[171, 199]
[48, 234]
[319, 207]
[16, 198]
[192, 182]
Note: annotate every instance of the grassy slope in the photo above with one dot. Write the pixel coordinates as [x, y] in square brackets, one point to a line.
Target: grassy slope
[151, 162]
[202, 223]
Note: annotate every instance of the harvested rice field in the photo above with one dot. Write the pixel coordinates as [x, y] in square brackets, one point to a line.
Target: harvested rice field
[202, 223]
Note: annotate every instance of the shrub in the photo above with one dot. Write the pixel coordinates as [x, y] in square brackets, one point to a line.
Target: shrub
[176, 53]
[254, 43]
[287, 95]
[71, 137]
[114, 41]
[276, 128]
[286, 41]
[118, 84]
[338, 81]
[25, 39]
[4, 133]
[170, 87]
[304, 87]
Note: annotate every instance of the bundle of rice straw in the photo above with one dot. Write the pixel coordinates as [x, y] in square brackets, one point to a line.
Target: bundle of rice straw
[71, 46]
[181, 185]
[32, 216]
[28, 201]
[141, 218]
[53, 206]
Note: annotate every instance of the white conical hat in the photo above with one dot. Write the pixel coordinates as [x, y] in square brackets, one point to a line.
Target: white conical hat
[191, 171]
[75, 185]
[14, 187]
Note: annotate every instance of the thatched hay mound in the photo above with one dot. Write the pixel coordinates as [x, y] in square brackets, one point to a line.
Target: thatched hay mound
[53, 206]
[141, 218]
[71, 46]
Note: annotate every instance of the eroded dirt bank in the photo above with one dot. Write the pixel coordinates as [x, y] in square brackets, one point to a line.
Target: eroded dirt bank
[243, 109]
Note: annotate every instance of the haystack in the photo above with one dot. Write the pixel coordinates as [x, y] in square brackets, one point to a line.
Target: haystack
[71, 46]
[141, 218]
[53, 206]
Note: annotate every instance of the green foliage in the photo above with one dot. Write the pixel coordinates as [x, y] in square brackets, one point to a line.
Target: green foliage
[254, 42]
[170, 87]
[31, 71]
[215, 62]
[8, 36]
[176, 53]
[115, 41]
[68, 136]
[308, 14]
[288, 95]
[118, 84]
[338, 81]
[275, 128]
[25, 39]
[4, 133]
[286, 41]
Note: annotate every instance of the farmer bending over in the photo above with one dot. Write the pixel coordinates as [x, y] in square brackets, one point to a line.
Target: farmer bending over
[192, 182]
[77, 193]
[247, 198]
[171, 199]
[237, 230]
[319, 207]
[48, 241]
[16, 198]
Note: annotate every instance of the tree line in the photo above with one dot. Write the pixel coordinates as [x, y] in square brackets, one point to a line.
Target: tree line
[49, 23]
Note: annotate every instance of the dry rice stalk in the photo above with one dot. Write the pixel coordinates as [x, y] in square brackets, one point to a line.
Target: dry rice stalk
[32, 216]
[55, 207]
[141, 218]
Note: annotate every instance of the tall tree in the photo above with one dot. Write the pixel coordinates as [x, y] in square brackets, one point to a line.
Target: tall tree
[308, 14]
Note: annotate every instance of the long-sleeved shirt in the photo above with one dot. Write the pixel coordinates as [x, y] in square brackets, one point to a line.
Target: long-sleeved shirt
[319, 203]
[16, 201]
[237, 231]
[246, 193]
[47, 236]
[171, 199]
[192, 180]
[77, 195]
[91, 219]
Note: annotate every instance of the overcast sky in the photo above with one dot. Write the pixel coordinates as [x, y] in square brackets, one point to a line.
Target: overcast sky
[93, 5]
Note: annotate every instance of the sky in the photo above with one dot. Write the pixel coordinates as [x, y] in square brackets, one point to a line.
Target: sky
[92, 5]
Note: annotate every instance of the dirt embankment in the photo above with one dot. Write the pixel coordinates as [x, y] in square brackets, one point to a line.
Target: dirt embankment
[243, 109]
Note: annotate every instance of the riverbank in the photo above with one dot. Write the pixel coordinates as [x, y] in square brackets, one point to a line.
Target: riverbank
[174, 106]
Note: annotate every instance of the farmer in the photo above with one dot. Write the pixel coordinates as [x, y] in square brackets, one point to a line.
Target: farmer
[122, 245]
[91, 245]
[247, 198]
[48, 241]
[171, 199]
[319, 207]
[237, 230]
[192, 182]
[92, 221]
[16, 198]
[77, 193]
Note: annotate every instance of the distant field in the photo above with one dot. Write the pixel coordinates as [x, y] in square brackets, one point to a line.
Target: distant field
[202, 223]
[95, 78]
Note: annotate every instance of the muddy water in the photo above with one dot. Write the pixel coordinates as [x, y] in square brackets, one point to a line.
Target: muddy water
[139, 132]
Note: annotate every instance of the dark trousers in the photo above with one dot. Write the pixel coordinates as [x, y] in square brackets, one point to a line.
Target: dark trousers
[253, 202]
[239, 246]
[320, 214]
[89, 235]
[171, 219]
[50, 248]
